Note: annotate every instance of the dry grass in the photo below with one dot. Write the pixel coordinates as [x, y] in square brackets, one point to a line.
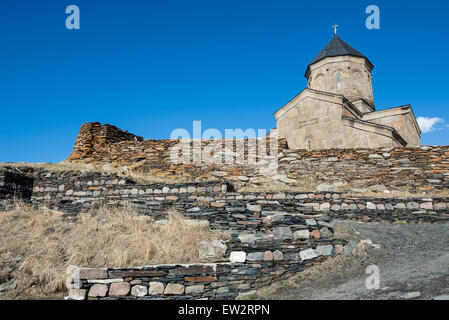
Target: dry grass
[36, 246]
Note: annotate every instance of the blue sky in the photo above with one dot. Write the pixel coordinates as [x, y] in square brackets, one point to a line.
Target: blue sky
[150, 67]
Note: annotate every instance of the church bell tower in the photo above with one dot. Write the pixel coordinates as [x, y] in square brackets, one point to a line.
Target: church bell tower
[341, 69]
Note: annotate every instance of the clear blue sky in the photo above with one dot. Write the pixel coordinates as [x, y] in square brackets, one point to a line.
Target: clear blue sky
[152, 66]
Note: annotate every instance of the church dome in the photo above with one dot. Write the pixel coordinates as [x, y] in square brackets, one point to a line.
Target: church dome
[336, 47]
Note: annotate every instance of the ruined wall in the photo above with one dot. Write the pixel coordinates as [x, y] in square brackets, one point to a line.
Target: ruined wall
[416, 170]
[94, 139]
[154, 156]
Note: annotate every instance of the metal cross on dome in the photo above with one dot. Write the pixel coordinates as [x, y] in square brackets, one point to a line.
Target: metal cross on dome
[335, 26]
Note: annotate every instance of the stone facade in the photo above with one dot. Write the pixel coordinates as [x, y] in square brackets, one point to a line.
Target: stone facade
[337, 110]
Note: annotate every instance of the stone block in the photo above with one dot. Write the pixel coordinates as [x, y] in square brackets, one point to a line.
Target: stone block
[426, 206]
[119, 289]
[255, 256]
[155, 288]
[238, 256]
[78, 294]
[98, 290]
[282, 233]
[200, 279]
[307, 254]
[196, 289]
[174, 288]
[324, 250]
[212, 249]
[268, 256]
[139, 291]
[301, 235]
[278, 255]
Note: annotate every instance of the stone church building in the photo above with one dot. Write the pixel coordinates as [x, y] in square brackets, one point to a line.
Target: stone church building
[337, 110]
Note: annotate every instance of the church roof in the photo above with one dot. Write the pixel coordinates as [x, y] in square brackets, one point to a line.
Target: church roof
[336, 47]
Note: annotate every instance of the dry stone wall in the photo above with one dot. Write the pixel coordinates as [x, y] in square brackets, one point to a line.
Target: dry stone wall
[13, 184]
[272, 234]
[252, 260]
[417, 170]
[109, 145]
[94, 137]
[222, 280]
[216, 201]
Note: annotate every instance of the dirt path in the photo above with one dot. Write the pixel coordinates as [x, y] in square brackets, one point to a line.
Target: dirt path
[413, 261]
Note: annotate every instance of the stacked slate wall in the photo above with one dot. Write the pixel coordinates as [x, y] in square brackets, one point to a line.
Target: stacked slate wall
[272, 234]
[216, 201]
[280, 249]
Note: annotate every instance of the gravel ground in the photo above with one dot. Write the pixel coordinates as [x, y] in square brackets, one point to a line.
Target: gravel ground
[413, 261]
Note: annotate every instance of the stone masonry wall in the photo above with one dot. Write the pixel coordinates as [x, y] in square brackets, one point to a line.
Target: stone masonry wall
[252, 260]
[417, 170]
[107, 144]
[94, 137]
[15, 184]
[272, 234]
[215, 201]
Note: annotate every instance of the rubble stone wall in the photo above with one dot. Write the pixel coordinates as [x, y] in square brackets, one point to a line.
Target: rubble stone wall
[216, 201]
[14, 184]
[417, 170]
[108, 144]
[272, 234]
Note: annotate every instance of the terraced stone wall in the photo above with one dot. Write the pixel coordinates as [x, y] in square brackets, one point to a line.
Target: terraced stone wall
[216, 201]
[250, 261]
[272, 234]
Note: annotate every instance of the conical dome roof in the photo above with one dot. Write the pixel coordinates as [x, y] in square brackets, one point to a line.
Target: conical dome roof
[336, 47]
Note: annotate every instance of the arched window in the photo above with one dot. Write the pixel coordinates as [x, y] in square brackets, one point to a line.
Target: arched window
[338, 82]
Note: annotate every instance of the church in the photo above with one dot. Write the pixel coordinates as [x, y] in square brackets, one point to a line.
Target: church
[337, 109]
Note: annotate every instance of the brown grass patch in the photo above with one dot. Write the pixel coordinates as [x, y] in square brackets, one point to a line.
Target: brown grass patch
[36, 246]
